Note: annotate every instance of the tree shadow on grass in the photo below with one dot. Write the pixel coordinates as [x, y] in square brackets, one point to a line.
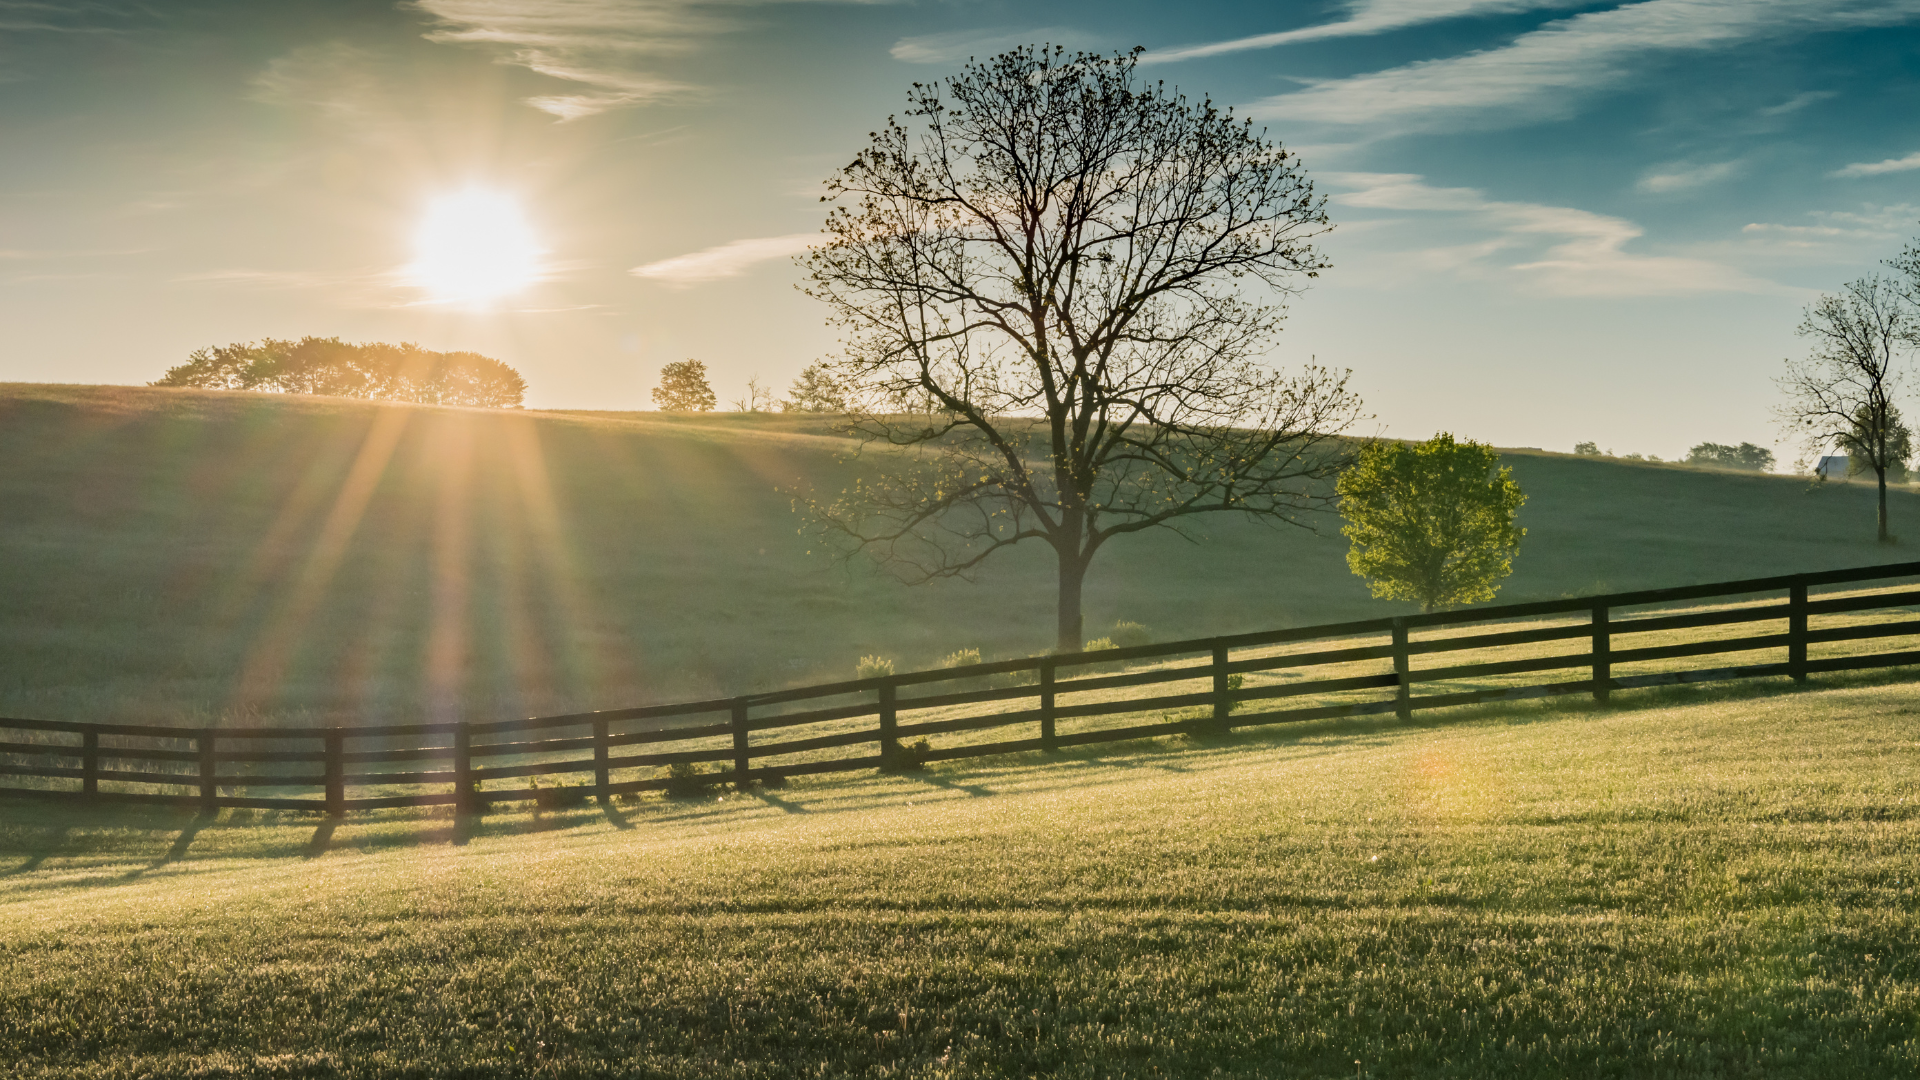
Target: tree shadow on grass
[39, 852]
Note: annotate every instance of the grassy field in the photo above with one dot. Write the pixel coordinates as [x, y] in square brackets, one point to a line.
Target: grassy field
[1703, 884]
[190, 557]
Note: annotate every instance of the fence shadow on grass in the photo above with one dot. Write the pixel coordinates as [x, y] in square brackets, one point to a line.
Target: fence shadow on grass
[118, 841]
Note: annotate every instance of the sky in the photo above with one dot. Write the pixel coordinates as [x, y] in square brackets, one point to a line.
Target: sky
[1554, 221]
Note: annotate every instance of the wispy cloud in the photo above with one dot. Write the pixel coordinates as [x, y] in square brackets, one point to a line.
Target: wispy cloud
[1671, 178]
[1363, 17]
[334, 78]
[599, 46]
[1543, 74]
[1558, 250]
[954, 47]
[1879, 168]
[727, 260]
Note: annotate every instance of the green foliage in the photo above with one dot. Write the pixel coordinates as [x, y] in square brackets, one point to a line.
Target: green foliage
[1098, 644]
[1587, 449]
[1746, 457]
[1861, 442]
[1427, 521]
[873, 667]
[686, 780]
[330, 366]
[1129, 635]
[960, 658]
[817, 390]
[684, 388]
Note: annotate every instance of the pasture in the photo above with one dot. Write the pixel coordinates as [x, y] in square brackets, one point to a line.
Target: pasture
[195, 557]
[1689, 883]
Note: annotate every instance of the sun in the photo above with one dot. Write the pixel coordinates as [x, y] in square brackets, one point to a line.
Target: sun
[475, 247]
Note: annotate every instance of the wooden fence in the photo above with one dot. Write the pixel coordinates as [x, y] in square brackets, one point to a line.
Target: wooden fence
[1039, 703]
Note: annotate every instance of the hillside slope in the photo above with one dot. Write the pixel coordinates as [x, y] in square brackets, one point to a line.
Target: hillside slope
[1698, 885]
[186, 556]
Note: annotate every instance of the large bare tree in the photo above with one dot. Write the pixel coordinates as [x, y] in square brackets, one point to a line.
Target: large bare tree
[1843, 392]
[1056, 285]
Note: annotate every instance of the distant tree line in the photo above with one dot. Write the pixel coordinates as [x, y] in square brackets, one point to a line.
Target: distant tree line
[1746, 457]
[315, 365]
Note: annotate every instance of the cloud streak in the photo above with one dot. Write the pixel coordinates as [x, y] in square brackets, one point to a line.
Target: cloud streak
[1364, 17]
[1685, 178]
[952, 48]
[1559, 250]
[1879, 168]
[598, 46]
[1542, 74]
[725, 261]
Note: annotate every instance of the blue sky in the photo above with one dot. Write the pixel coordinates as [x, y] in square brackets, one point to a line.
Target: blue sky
[1555, 221]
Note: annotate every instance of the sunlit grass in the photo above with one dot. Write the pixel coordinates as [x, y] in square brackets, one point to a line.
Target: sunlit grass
[1697, 882]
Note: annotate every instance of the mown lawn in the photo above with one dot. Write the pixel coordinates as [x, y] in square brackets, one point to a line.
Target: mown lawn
[1696, 884]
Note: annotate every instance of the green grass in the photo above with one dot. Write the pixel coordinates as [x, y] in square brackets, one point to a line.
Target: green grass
[193, 557]
[1709, 884]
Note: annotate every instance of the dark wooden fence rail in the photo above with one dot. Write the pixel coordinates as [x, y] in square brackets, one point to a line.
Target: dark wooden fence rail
[64, 760]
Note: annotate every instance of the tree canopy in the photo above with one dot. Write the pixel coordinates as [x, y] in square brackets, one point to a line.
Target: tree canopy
[314, 365]
[684, 388]
[1431, 522]
[1057, 285]
[1746, 456]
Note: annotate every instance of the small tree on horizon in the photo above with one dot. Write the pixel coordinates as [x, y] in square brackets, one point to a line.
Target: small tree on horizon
[1842, 393]
[1057, 283]
[1431, 522]
[684, 388]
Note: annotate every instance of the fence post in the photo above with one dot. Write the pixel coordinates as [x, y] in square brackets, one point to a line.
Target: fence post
[1403, 669]
[209, 793]
[1602, 654]
[463, 799]
[600, 763]
[1797, 633]
[740, 762]
[90, 762]
[336, 774]
[889, 724]
[1048, 739]
[1222, 696]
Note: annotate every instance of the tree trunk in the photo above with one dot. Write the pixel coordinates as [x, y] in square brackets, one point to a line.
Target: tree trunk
[1073, 573]
[1885, 537]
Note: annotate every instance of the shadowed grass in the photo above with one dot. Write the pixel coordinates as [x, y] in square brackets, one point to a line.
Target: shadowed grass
[1712, 882]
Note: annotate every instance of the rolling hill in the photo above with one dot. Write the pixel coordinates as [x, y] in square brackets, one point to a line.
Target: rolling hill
[184, 556]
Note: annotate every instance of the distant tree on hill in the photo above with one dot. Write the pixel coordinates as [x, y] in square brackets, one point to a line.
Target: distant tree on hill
[1431, 522]
[816, 390]
[1057, 283]
[1746, 456]
[1843, 391]
[758, 398]
[314, 365]
[1898, 439]
[684, 388]
[1587, 449]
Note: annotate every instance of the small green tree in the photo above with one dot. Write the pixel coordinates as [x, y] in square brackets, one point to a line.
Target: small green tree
[684, 388]
[1860, 442]
[1432, 521]
[816, 390]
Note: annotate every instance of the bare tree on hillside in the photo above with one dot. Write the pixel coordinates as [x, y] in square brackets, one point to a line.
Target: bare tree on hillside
[1843, 392]
[1069, 277]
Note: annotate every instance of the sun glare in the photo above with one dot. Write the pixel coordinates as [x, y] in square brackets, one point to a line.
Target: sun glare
[475, 247]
